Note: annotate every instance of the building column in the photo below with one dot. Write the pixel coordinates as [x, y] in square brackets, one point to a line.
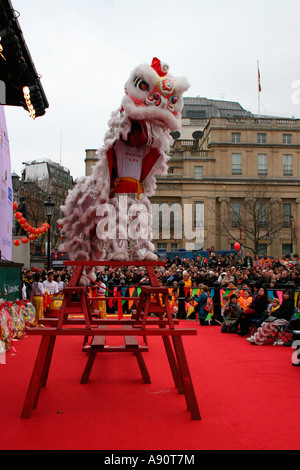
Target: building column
[297, 227]
[223, 209]
[276, 249]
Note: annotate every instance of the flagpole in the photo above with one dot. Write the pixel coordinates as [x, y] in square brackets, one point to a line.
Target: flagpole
[259, 88]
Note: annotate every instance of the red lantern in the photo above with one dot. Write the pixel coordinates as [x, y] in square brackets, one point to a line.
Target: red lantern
[24, 240]
[237, 246]
[47, 226]
[29, 229]
[22, 221]
[18, 215]
[31, 237]
[17, 243]
[15, 206]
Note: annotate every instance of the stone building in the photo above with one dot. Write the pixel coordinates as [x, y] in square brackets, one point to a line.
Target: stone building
[221, 159]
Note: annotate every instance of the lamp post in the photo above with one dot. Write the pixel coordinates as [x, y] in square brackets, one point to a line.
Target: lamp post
[49, 207]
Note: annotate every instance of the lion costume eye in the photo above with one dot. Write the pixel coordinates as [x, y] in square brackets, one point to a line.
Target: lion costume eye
[143, 85]
[139, 82]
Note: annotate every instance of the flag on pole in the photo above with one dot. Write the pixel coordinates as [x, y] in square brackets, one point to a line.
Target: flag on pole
[259, 82]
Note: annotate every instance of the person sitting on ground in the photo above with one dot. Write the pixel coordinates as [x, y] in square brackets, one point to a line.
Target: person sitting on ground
[247, 298]
[279, 315]
[256, 310]
[231, 314]
[240, 299]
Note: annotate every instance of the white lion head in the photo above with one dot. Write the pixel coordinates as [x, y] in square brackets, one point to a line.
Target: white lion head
[154, 95]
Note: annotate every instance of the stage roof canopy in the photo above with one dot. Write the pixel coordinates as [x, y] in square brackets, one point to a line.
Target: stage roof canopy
[20, 83]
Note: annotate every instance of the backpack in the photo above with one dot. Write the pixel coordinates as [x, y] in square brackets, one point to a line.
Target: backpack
[209, 306]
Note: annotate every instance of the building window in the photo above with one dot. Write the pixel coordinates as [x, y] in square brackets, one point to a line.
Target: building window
[171, 170]
[174, 247]
[286, 249]
[198, 215]
[197, 114]
[261, 214]
[287, 138]
[261, 138]
[162, 246]
[198, 172]
[287, 165]
[235, 214]
[262, 248]
[262, 164]
[286, 214]
[236, 164]
[236, 137]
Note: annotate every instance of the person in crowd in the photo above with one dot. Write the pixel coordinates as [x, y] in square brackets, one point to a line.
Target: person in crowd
[248, 261]
[201, 302]
[279, 315]
[28, 281]
[257, 263]
[212, 251]
[37, 296]
[240, 299]
[50, 285]
[247, 298]
[266, 261]
[60, 284]
[231, 314]
[276, 263]
[256, 310]
[187, 284]
[238, 259]
[284, 278]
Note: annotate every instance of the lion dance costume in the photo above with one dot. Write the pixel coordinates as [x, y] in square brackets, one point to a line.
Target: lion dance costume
[152, 103]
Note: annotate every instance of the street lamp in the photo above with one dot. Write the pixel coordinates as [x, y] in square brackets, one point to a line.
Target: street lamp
[49, 207]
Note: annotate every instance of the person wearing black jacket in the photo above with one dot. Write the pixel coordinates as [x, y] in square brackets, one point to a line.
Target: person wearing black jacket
[278, 317]
[248, 261]
[256, 310]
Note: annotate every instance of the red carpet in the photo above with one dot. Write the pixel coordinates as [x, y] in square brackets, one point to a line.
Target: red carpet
[248, 398]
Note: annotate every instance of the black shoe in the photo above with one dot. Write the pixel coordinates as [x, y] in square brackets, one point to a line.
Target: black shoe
[288, 344]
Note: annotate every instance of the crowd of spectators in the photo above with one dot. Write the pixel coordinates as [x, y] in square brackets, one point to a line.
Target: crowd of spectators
[245, 279]
[229, 270]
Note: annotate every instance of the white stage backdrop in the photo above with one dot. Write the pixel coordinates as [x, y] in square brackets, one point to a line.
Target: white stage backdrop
[6, 192]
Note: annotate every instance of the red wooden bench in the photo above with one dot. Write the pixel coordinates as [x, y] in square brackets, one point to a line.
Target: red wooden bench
[98, 330]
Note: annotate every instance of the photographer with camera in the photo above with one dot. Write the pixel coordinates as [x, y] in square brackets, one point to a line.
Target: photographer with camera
[231, 315]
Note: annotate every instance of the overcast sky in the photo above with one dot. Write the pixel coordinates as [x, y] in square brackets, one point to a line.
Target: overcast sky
[85, 50]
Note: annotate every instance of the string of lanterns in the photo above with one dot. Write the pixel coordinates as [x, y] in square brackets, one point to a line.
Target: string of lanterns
[32, 232]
